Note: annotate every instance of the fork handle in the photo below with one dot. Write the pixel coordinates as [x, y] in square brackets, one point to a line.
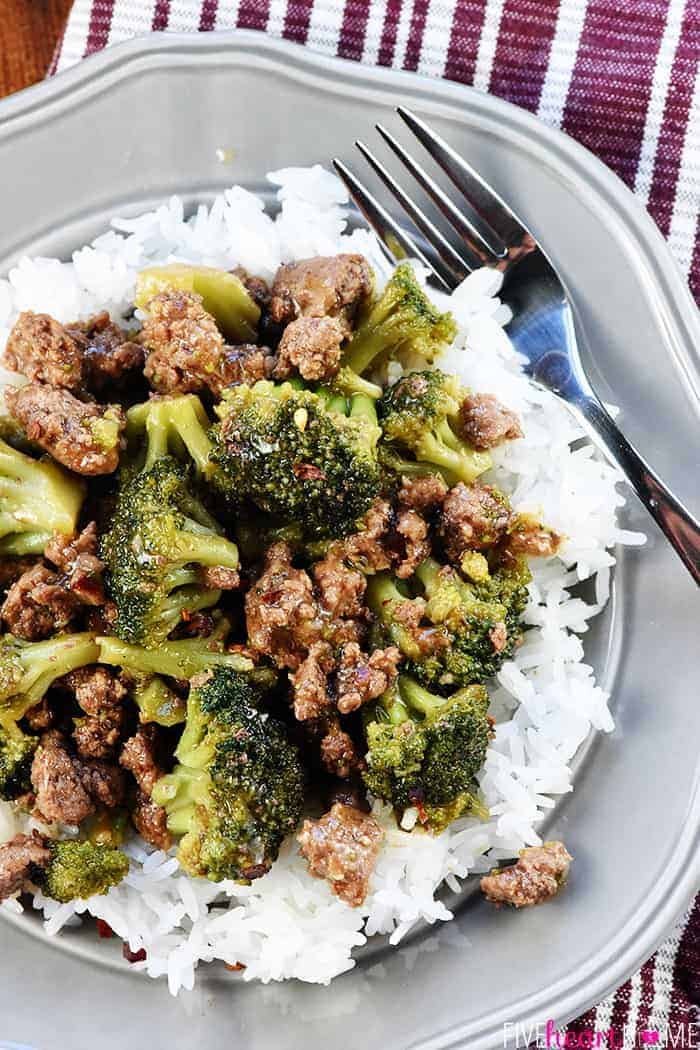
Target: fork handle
[680, 527]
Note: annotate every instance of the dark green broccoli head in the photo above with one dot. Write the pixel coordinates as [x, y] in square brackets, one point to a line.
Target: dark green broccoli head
[238, 788]
[425, 750]
[159, 540]
[402, 324]
[419, 421]
[37, 498]
[78, 870]
[460, 632]
[28, 669]
[16, 754]
[307, 458]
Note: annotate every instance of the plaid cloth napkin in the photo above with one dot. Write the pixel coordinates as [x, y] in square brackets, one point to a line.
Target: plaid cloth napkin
[622, 77]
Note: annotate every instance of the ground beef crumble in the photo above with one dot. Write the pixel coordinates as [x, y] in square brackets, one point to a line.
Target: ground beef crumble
[486, 423]
[342, 848]
[22, 860]
[81, 435]
[537, 876]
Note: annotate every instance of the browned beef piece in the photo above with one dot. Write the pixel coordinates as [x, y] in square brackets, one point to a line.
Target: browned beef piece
[424, 493]
[101, 620]
[12, 568]
[311, 347]
[499, 636]
[41, 349]
[414, 544]
[320, 287]
[362, 677]
[151, 821]
[220, 578]
[338, 752]
[485, 422]
[105, 783]
[342, 848]
[366, 549]
[68, 788]
[37, 605]
[22, 860]
[101, 695]
[83, 436]
[310, 683]
[185, 347]
[41, 716]
[140, 755]
[474, 517]
[532, 538]
[317, 299]
[281, 611]
[97, 689]
[245, 363]
[536, 876]
[341, 589]
[256, 287]
[97, 736]
[110, 360]
[76, 557]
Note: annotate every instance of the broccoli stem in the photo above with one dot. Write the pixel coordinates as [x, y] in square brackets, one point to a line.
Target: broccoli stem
[348, 382]
[363, 407]
[180, 659]
[369, 339]
[454, 458]
[41, 663]
[417, 698]
[172, 424]
[201, 548]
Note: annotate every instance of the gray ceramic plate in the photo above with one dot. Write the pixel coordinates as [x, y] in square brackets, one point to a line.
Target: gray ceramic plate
[150, 118]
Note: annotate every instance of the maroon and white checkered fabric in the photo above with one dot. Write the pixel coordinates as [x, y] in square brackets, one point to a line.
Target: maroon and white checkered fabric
[620, 76]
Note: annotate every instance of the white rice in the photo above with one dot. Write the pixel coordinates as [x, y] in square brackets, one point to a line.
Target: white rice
[546, 700]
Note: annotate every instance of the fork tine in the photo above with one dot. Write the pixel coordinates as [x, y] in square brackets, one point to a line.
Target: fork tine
[485, 246]
[457, 266]
[485, 200]
[387, 230]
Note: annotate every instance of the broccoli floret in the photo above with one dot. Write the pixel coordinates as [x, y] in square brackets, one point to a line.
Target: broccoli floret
[466, 630]
[78, 870]
[159, 539]
[425, 750]
[403, 322]
[307, 458]
[174, 659]
[28, 669]
[419, 420]
[169, 426]
[237, 790]
[37, 498]
[16, 754]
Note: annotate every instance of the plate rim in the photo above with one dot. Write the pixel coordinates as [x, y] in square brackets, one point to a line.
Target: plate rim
[646, 251]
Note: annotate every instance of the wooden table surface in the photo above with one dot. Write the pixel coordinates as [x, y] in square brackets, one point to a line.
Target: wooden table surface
[29, 30]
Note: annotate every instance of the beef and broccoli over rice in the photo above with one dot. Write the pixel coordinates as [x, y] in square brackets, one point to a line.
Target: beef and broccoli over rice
[283, 579]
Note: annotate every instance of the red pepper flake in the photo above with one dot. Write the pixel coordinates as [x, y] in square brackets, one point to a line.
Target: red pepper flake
[235, 967]
[308, 472]
[133, 957]
[104, 929]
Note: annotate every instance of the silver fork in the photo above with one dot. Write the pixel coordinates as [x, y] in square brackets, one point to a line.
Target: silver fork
[542, 329]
